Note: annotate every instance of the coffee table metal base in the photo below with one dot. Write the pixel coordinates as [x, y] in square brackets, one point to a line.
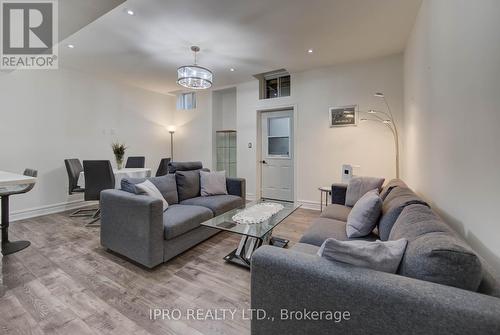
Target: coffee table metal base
[243, 254]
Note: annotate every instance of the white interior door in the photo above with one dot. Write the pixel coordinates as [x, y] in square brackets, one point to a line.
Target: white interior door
[277, 155]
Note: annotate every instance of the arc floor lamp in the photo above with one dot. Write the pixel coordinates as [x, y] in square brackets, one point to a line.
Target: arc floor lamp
[388, 119]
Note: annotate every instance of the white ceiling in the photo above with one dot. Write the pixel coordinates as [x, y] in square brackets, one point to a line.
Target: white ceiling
[251, 36]
[76, 14]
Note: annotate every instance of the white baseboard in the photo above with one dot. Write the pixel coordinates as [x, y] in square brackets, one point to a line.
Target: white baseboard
[251, 197]
[48, 209]
[75, 204]
[308, 204]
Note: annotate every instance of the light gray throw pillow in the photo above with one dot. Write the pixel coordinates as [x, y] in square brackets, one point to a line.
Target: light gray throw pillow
[358, 186]
[376, 255]
[212, 183]
[364, 215]
[148, 188]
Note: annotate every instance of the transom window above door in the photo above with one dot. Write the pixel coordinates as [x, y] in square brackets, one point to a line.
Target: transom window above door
[274, 84]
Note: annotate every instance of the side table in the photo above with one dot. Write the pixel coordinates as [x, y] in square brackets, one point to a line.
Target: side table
[328, 191]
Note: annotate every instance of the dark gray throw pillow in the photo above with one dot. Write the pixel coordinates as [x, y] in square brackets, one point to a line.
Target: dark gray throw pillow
[166, 185]
[188, 184]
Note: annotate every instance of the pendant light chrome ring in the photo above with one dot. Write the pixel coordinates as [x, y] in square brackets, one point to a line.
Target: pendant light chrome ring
[194, 76]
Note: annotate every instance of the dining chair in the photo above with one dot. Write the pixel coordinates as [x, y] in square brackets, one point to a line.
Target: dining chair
[135, 162]
[74, 168]
[163, 167]
[99, 176]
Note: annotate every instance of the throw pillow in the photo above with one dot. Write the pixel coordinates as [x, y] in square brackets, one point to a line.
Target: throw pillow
[212, 183]
[188, 184]
[166, 184]
[148, 188]
[376, 255]
[358, 186]
[364, 215]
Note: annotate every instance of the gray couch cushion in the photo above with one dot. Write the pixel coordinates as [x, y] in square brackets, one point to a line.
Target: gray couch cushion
[490, 283]
[179, 219]
[188, 184]
[336, 212]
[358, 186]
[166, 185]
[390, 186]
[218, 204]
[394, 203]
[305, 248]
[416, 220]
[434, 252]
[184, 166]
[364, 215]
[442, 259]
[323, 228]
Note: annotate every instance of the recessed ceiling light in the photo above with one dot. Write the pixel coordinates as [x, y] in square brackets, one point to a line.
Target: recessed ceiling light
[309, 51]
[71, 46]
[130, 12]
[232, 69]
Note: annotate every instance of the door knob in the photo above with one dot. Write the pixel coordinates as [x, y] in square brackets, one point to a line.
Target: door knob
[263, 162]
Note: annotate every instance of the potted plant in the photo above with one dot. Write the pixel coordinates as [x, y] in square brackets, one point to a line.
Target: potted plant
[119, 152]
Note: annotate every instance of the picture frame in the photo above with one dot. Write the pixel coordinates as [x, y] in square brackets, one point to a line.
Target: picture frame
[343, 116]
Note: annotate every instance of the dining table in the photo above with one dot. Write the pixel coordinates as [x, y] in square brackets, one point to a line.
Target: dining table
[9, 183]
[120, 174]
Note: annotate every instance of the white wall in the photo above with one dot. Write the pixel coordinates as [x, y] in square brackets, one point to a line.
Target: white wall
[452, 116]
[223, 115]
[47, 116]
[322, 150]
[229, 109]
[193, 138]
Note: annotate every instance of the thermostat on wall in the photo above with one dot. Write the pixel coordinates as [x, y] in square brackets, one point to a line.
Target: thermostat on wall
[346, 173]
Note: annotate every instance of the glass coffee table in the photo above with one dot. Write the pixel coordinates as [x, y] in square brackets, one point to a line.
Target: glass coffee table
[254, 235]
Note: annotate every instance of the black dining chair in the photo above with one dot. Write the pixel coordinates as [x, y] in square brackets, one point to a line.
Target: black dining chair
[74, 168]
[99, 176]
[135, 162]
[163, 167]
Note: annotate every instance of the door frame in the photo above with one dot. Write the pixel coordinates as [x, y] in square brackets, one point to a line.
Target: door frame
[258, 149]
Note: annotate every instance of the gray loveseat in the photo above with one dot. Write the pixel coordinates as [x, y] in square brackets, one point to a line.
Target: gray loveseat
[135, 225]
[442, 286]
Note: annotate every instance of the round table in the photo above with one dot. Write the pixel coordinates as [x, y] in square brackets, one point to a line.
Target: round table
[120, 174]
[8, 181]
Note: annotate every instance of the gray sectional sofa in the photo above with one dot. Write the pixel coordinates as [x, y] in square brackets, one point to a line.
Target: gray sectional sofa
[441, 287]
[135, 225]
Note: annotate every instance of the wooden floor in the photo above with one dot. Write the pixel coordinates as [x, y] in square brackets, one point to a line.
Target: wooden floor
[66, 283]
